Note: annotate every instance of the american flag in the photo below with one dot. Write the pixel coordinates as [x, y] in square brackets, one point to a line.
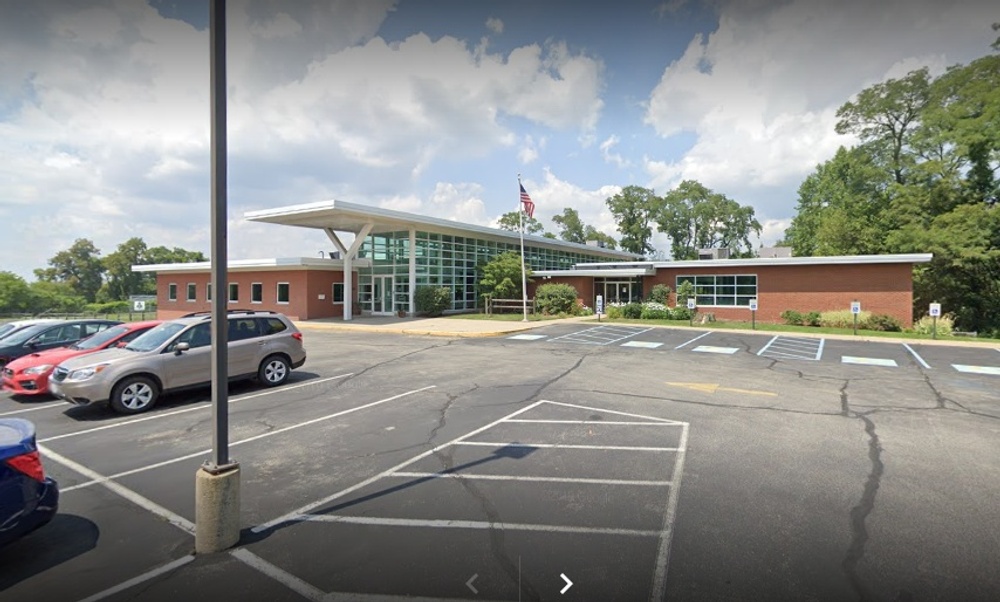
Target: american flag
[526, 204]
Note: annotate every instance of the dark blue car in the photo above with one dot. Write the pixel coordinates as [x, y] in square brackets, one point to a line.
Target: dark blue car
[28, 499]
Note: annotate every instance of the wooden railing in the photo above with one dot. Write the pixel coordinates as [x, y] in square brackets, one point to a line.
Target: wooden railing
[508, 304]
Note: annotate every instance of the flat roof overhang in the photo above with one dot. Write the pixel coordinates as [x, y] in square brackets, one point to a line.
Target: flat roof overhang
[352, 217]
[910, 258]
[254, 265]
[606, 273]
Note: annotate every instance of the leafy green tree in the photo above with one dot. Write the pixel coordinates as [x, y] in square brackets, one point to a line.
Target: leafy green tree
[510, 221]
[15, 296]
[633, 209]
[694, 217]
[79, 266]
[162, 254]
[500, 278]
[571, 228]
[885, 115]
[843, 207]
[121, 280]
[57, 297]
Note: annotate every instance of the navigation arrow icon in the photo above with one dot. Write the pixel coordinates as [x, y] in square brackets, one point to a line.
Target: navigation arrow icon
[469, 585]
[569, 584]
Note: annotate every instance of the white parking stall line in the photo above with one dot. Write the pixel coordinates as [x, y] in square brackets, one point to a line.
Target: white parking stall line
[685, 344]
[47, 406]
[124, 585]
[868, 361]
[601, 335]
[300, 512]
[139, 500]
[768, 346]
[992, 370]
[819, 350]
[200, 406]
[526, 337]
[916, 356]
[508, 444]
[615, 412]
[783, 347]
[666, 534]
[282, 576]
[712, 349]
[206, 452]
[493, 477]
[602, 422]
[474, 524]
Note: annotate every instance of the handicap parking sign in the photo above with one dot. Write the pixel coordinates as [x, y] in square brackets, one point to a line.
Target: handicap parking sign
[855, 307]
[935, 310]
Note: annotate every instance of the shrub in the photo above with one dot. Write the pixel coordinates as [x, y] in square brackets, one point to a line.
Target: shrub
[659, 294]
[883, 323]
[552, 298]
[684, 292]
[945, 325]
[681, 313]
[812, 319]
[792, 317]
[655, 311]
[632, 311]
[112, 307]
[614, 312]
[841, 318]
[432, 300]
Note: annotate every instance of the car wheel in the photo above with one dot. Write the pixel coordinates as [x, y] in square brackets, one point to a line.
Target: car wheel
[134, 394]
[273, 371]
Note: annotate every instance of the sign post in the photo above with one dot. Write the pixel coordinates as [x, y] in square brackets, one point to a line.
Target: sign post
[935, 312]
[753, 313]
[599, 306]
[691, 308]
[855, 309]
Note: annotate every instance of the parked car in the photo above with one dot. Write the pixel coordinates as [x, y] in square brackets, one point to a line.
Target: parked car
[48, 336]
[29, 375]
[175, 355]
[28, 499]
[11, 327]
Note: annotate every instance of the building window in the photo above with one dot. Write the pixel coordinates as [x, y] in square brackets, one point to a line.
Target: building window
[256, 293]
[234, 292]
[171, 292]
[722, 290]
[282, 292]
[192, 291]
[208, 291]
[338, 292]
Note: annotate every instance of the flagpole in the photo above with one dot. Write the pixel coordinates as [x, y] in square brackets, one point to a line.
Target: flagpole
[524, 278]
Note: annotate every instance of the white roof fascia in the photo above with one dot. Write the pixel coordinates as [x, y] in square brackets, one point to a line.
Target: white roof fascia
[777, 261]
[390, 219]
[249, 265]
[613, 272]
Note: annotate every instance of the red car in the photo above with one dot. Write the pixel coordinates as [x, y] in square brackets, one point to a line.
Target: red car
[29, 375]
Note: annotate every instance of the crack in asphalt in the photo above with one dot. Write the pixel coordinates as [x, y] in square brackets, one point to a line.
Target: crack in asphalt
[860, 512]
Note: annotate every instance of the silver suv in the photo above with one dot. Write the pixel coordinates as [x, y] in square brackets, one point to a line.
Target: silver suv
[177, 355]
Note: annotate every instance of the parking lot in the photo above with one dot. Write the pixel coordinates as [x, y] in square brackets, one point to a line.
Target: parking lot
[573, 461]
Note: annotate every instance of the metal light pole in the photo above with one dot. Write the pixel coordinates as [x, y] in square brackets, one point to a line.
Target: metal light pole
[217, 483]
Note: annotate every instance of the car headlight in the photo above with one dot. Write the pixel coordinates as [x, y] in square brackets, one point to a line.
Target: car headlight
[85, 373]
[38, 369]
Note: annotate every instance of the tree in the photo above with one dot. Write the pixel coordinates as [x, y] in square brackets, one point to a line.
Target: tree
[121, 280]
[843, 207]
[79, 266]
[511, 221]
[592, 233]
[571, 228]
[885, 115]
[15, 296]
[176, 255]
[633, 209]
[694, 217]
[54, 297]
[500, 278]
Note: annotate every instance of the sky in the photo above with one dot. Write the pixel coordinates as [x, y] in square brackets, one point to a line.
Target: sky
[433, 107]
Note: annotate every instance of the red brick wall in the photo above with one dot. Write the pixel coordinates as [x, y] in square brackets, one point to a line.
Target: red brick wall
[881, 289]
[304, 289]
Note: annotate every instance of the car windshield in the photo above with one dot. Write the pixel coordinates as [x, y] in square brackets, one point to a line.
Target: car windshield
[20, 336]
[5, 328]
[97, 340]
[155, 337]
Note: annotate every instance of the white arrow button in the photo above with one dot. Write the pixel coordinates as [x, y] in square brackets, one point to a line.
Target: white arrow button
[469, 585]
[569, 584]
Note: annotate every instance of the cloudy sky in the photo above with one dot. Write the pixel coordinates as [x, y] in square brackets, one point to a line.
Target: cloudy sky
[430, 106]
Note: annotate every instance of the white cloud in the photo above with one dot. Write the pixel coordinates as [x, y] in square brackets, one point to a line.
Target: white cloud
[495, 25]
[761, 92]
[611, 157]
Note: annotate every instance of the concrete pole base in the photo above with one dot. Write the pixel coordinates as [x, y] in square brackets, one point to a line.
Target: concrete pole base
[217, 510]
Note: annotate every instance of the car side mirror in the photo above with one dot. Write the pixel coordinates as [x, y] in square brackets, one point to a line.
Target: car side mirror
[180, 348]
[32, 344]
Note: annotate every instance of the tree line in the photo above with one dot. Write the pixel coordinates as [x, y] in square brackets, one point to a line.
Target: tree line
[79, 276]
[691, 215]
[922, 179]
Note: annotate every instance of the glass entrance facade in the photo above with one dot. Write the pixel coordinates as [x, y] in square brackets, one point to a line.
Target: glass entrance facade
[444, 260]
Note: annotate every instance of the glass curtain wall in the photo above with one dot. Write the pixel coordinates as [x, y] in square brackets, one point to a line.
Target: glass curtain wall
[443, 260]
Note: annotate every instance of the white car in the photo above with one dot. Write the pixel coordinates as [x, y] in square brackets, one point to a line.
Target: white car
[8, 328]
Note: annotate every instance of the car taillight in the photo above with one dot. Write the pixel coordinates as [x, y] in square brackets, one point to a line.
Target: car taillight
[297, 336]
[29, 464]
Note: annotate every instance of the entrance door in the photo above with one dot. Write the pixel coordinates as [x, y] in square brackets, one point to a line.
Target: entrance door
[382, 295]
